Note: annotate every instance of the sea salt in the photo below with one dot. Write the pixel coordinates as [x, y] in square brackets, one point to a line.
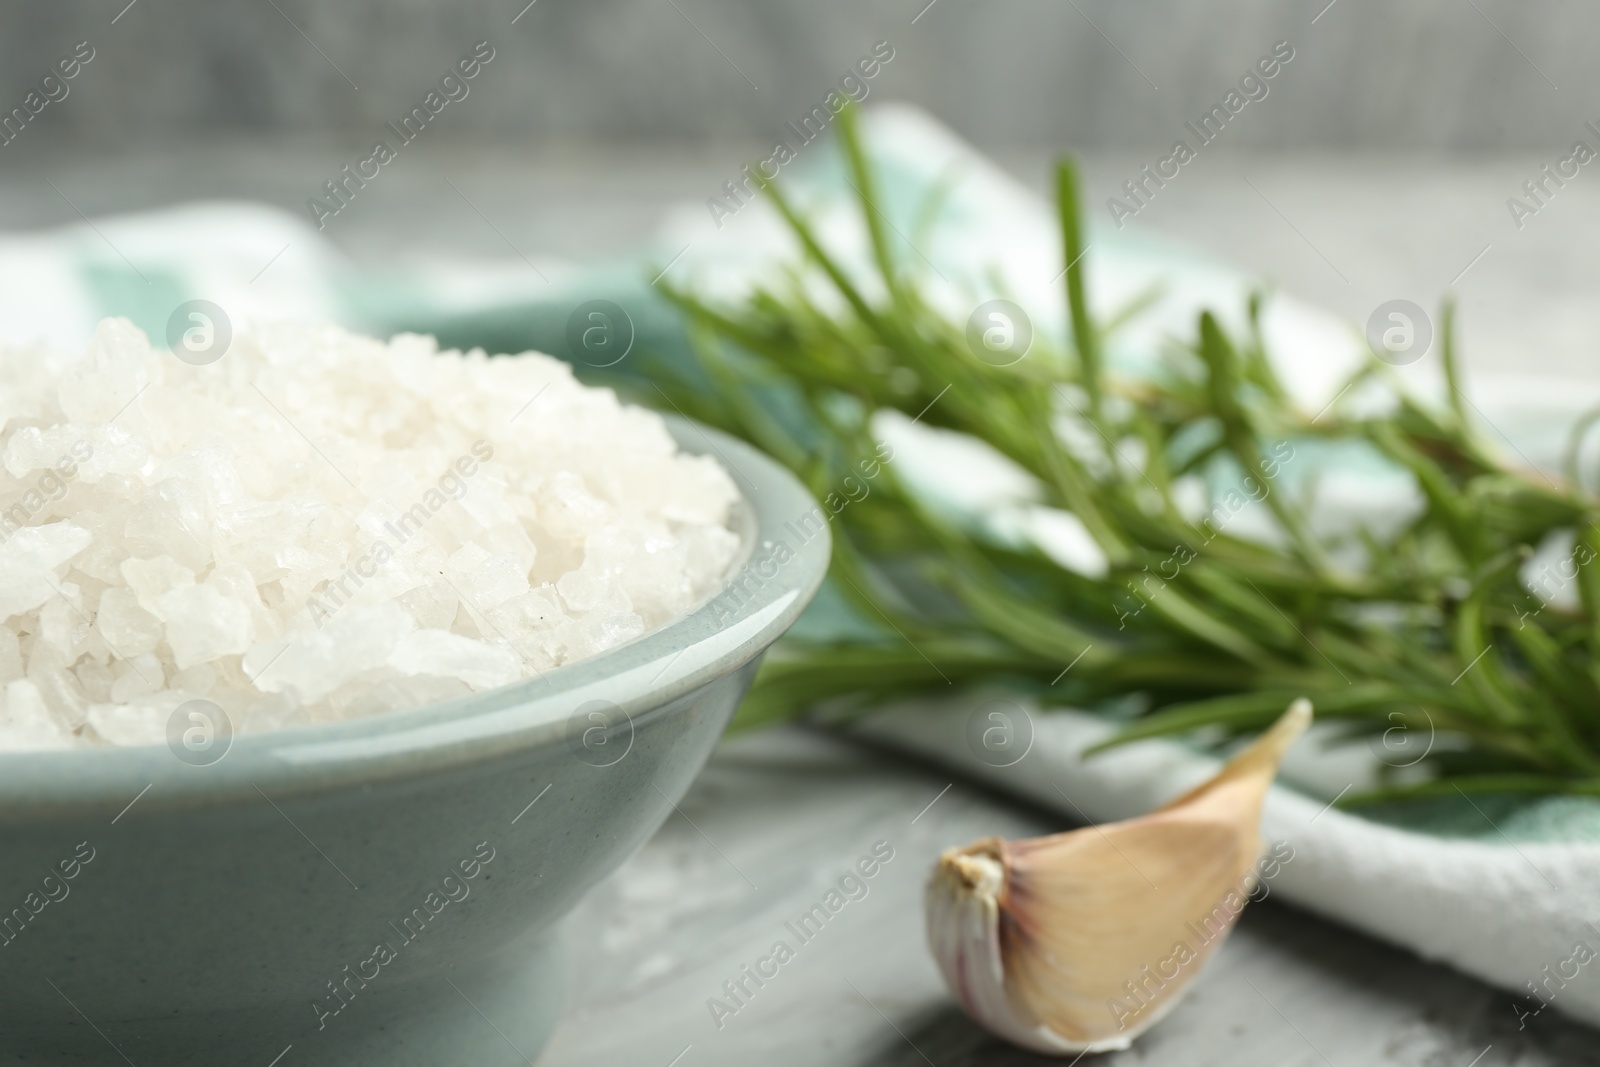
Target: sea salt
[319, 526]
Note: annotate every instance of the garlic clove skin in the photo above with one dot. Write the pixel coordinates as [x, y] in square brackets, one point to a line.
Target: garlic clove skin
[1080, 941]
[963, 916]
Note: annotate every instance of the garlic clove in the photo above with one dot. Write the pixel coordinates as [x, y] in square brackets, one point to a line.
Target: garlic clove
[1081, 941]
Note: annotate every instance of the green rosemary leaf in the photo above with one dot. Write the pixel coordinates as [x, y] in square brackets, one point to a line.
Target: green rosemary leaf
[1428, 627]
[1073, 250]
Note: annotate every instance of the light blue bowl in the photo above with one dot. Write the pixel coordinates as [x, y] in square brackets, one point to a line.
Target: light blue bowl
[383, 890]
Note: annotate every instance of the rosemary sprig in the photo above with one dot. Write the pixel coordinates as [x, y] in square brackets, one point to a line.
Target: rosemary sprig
[1430, 632]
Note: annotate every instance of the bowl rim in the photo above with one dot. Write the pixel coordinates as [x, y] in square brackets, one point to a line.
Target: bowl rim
[784, 559]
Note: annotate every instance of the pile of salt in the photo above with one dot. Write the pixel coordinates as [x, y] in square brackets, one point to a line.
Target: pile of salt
[321, 525]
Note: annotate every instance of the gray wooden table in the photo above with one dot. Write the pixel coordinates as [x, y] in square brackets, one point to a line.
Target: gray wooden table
[777, 817]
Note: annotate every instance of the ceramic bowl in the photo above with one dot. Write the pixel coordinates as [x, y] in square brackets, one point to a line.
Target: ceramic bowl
[383, 890]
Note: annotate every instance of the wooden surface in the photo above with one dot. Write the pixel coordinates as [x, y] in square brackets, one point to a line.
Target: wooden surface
[777, 817]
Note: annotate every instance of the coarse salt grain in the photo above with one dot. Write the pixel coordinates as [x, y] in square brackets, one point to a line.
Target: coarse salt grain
[321, 525]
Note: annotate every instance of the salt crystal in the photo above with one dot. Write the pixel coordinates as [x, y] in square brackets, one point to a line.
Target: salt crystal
[235, 581]
[25, 721]
[128, 628]
[312, 663]
[431, 605]
[706, 552]
[152, 579]
[495, 581]
[200, 679]
[29, 559]
[510, 539]
[141, 722]
[609, 631]
[407, 692]
[593, 588]
[466, 559]
[646, 561]
[34, 448]
[97, 387]
[95, 679]
[568, 510]
[323, 525]
[111, 451]
[597, 632]
[204, 624]
[137, 677]
[10, 655]
[57, 685]
[172, 519]
[531, 612]
[63, 626]
[447, 655]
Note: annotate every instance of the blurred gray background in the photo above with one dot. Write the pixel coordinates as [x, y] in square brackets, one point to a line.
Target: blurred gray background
[1437, 75]
[1378, 166]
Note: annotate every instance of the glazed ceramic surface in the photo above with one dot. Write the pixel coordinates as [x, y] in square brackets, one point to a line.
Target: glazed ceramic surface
[382, 890]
